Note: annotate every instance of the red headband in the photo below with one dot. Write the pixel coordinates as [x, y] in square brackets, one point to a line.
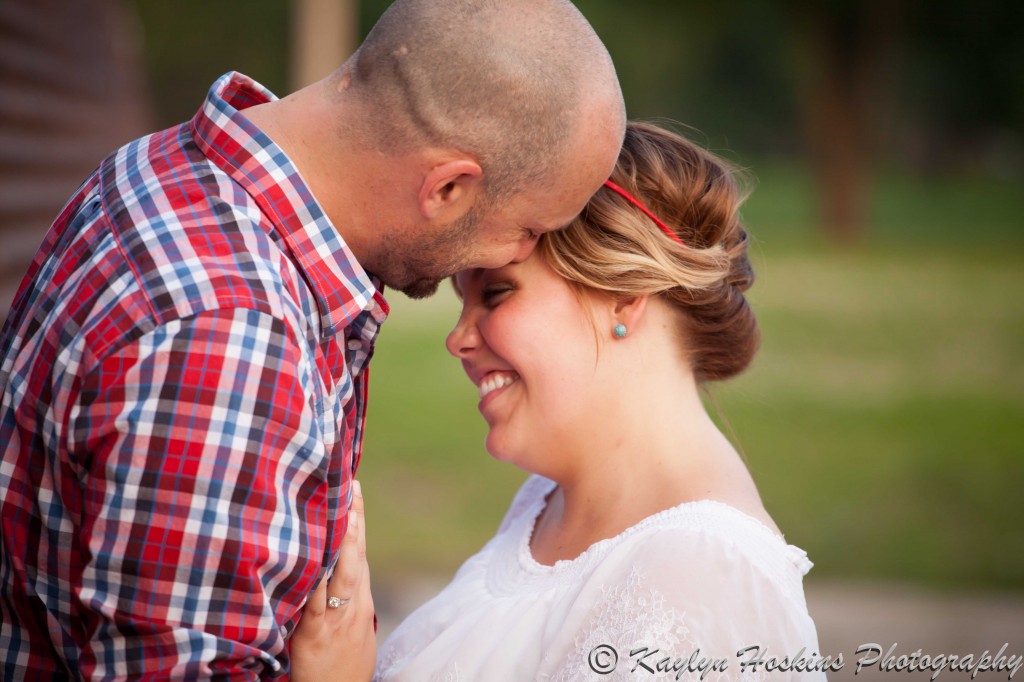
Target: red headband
[636, 202]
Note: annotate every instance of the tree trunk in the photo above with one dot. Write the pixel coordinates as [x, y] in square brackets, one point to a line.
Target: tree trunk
[324, 34]
[843, 51]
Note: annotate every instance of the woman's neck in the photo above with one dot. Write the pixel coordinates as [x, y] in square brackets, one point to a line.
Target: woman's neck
[634, 473]
[662, 457]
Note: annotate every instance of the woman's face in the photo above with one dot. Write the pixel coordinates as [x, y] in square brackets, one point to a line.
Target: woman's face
[526, 341]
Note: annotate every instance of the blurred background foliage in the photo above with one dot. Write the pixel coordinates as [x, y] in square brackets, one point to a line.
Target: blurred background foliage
[883, 417]
[843, 89]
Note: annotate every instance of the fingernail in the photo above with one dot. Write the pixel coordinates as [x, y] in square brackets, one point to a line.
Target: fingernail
[353, 518]
[358, 488]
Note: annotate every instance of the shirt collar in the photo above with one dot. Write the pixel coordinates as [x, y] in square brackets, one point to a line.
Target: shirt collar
[342, 288]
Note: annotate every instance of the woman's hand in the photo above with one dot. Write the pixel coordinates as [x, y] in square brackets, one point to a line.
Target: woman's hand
[337, 643]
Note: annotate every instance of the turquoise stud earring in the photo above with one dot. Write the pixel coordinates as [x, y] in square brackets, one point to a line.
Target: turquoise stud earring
[620, 331]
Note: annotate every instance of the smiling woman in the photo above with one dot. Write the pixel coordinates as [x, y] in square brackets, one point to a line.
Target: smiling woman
[640, 528]
[525, 339]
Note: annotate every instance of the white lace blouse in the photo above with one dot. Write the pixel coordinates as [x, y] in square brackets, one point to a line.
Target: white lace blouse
[690, 586]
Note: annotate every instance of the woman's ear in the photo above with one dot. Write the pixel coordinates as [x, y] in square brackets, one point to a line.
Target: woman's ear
[628, 314]
[450, 184]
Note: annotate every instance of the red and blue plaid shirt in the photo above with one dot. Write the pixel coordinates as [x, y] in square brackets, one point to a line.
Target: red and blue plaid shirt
[183, 388]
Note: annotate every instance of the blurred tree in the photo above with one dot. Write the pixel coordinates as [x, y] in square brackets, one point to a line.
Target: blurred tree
[843, 50]
[843, 86]
[961, 89]
[190, 43]
[324, 34]
[847, 86]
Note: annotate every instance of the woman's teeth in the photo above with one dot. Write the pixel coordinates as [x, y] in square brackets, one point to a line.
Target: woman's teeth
[495, 381]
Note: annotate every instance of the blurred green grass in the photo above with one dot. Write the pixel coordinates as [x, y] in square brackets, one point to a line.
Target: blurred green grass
[882, 418]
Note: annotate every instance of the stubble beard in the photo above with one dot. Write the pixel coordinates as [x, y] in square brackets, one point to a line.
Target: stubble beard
[425, 264]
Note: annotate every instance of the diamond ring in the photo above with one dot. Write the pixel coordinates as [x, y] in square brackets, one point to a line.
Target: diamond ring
[336, 602]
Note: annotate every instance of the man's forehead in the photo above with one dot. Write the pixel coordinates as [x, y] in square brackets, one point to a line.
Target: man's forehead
[545, 208]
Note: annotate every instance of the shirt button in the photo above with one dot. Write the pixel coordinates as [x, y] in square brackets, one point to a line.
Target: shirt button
[284, 631]
[354, 344]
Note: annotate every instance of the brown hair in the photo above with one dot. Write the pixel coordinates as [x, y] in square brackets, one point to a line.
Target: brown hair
[613, 247]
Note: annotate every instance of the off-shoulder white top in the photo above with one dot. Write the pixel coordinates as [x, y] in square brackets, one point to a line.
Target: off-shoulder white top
[689, 586]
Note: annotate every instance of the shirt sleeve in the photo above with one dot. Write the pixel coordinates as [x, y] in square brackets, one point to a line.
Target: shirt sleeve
[690, 605]
[203, 514]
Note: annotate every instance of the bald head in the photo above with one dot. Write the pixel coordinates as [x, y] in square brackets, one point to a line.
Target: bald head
[507, 81]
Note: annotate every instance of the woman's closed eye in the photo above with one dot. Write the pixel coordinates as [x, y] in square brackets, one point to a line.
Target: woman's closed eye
[494, 294]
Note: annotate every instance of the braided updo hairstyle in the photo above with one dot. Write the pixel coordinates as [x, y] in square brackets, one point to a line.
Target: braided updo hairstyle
[613, 247]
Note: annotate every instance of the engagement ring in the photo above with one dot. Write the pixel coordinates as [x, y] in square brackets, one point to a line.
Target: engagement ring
[336, 602]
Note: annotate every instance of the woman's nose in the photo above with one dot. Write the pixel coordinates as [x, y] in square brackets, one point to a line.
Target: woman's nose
[463, 338]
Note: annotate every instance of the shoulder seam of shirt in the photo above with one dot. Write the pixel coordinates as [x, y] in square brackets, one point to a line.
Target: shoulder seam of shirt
[151, 324]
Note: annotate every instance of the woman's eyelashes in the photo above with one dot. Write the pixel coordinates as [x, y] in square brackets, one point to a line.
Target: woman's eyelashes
[494, 293]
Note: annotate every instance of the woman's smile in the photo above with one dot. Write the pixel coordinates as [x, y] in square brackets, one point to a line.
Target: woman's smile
[495, 382]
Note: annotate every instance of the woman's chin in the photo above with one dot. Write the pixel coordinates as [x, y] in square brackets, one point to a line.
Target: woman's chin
[519, 455]
[501, 449]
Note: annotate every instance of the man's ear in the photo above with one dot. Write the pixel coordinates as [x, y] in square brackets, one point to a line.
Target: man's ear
[449, 185]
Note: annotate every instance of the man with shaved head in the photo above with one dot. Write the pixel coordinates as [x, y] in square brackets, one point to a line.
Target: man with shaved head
[467, 128]
[184, 369]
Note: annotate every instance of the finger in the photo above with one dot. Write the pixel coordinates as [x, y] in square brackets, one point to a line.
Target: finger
[349, 570]
[357, 529]
[366, 596]
[357, 496]
[316, 603]
[365, 604]
[359, 506]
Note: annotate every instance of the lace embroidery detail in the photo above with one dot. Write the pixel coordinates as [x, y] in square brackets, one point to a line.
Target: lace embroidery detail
[511, 569]
[631, 616]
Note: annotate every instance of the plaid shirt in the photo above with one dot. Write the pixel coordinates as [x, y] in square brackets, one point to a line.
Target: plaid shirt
[183, 387]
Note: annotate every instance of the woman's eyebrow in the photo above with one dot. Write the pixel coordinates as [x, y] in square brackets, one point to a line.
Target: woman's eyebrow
[472, 274]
